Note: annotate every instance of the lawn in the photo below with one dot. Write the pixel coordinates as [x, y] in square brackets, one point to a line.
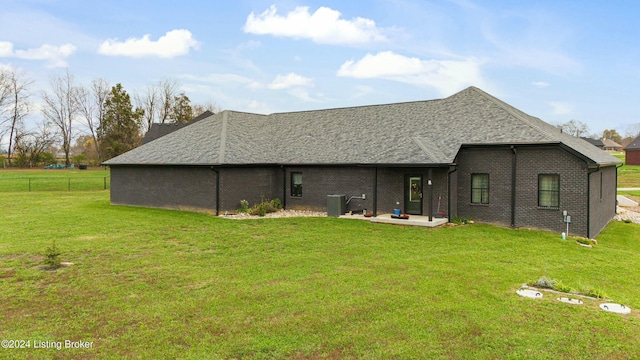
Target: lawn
[151, 283]
[629, 176]
[12, 180]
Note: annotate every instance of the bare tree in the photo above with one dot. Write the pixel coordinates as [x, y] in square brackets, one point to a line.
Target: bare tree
[91, 108]
[633, 131]
[575, 128]
[168, 89]
[31, 145]
[157, 102]
[60, 108]
[14, 103]
[208, 106]
[149, 103]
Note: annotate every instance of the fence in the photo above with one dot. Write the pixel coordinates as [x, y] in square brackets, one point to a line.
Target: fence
[54, 184]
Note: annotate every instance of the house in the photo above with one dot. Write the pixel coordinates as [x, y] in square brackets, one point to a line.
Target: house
[469, 155]
[610, 145]
[595, 142]
[632, 152]
[158, 130]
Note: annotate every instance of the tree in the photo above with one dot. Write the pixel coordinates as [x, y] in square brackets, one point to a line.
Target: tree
[181, 112]
[208, 106]
[575, 128]
[91, 105]
[633, 131]
[612, 134]
[120, 129]
[61, 107]
[157, 102]
[31, 146]
[149, 103]
[14, 104]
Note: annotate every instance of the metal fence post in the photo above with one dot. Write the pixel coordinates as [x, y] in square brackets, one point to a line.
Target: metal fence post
[105, 183]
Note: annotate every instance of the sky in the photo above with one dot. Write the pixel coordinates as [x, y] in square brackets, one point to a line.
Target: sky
[555, 60]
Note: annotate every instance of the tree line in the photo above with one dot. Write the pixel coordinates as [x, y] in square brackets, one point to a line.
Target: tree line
[101, 118]
[579, 129]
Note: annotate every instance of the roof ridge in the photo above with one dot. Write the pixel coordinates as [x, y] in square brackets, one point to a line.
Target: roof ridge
[223, 137]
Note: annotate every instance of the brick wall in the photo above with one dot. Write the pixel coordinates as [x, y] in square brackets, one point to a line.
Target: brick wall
[248, 183]
[497, 163]
[532, 161]
[632, 157]
[602, 206]
[573, 190]
[178, 187]
[318, 182]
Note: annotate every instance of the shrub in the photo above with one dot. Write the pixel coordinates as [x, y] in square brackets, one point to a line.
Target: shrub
[52, 257]
[461, 220]
[596, 293]
[276, 203]
[559, 286]
[264, 207]
[544, 282]
[244, 206]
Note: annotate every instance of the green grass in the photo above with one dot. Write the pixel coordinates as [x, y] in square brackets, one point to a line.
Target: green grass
[12, 180]
[629, 176]
[151, 283]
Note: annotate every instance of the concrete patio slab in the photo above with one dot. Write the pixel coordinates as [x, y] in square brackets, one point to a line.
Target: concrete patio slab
[413, 220]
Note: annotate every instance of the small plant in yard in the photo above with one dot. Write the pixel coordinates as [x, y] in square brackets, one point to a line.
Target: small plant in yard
[560, 286]
[596, 293]
[585, 241]
[52, 257]
[244, 206]
[461, 220]
[266, 206]
[544, 282]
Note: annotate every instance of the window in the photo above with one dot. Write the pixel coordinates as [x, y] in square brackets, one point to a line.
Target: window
[549, 190]
[479, 188]
[296, 184]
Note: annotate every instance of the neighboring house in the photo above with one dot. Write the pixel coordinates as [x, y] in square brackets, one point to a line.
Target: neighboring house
[632, 152]
[595, 142]
[471, 154]
[610, 145]
[158, 130]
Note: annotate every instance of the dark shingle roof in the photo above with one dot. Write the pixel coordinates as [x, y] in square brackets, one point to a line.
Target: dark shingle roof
[594, 142]
[158, 130]
[422, 132]
[634, 144]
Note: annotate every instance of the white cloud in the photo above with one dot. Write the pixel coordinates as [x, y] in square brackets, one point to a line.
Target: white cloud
[54, 55]
[324, 26]
[302, 94]
[288, 81]
[446, 76]
[561, 108]
[540, 84]
[173, 43]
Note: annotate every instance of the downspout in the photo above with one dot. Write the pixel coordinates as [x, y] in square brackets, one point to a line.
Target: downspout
[284, 187]
[375, 192]
[513, 185]
[455, 168]
[217, 190]
[430, 194]
[589, 172]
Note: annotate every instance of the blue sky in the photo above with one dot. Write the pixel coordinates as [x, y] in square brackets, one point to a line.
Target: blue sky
[556, 60]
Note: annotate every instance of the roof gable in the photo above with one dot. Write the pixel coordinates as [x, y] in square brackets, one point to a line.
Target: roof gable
[421, 132]
[634, 144]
